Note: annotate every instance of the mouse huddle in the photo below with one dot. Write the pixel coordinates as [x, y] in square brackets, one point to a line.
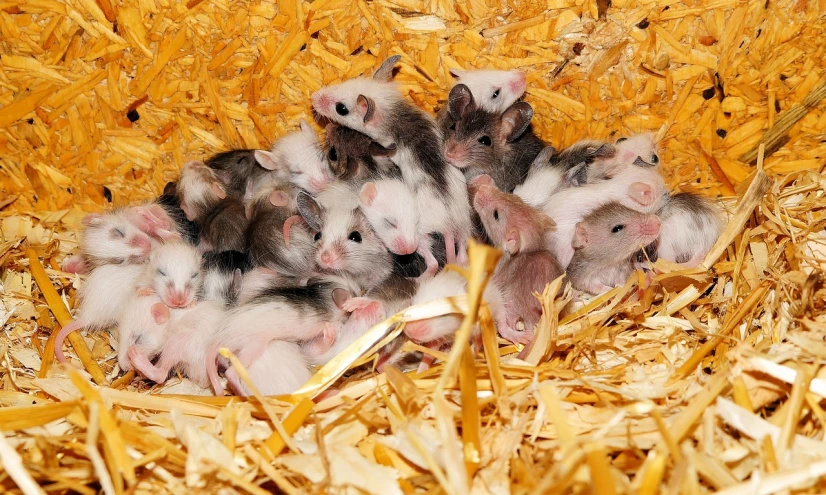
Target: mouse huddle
[287, 256]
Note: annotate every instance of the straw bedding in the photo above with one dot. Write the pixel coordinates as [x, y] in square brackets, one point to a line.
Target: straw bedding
[709, 380]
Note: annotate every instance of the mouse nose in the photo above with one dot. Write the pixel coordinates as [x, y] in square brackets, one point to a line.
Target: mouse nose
[651, 226]
[519, 83]
[402, 246]
[329, 258]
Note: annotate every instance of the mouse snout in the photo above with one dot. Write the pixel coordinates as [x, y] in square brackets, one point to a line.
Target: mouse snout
[321, 101]
[641, 193]
[455, 154]
[330, 258]
[650, 227]
[142, 243]
[403, 246]
[317, 185]
[519, 82]
[178, 298]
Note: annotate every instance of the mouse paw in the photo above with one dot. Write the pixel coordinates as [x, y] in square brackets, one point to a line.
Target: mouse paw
[160, 313]
[356, 303]
[145, 291]
[74, 264]
[522, 337]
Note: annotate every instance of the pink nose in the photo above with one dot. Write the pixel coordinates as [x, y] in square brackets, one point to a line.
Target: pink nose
[651, 226]
[178, 299]
[519, 82]
[318, 185]
[328, 258]
[401, 246]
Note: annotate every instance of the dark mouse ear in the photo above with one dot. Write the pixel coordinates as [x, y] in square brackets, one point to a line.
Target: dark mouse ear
[385, 71]
[366, 107]
[577, 175]
[309, 210]
[544, 157]
[460, 101]
[340, 296]
[580, 237]
[515, 120]
[607, 150]
[457, 73]
[375, 149]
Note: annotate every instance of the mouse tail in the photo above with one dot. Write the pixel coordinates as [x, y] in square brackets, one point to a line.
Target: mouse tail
[212, 370]
[61, 336]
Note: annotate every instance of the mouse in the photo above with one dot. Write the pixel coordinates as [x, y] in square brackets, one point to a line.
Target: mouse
[354, 156]
[639, 188]
[187, 336]
[638, 149]
[277, 312]
[223, 273]
[239, 171]
[545, 179]
[376, 108]
[277, 236]
[502, 145]
[281, 369]
[527, 265]
[494, 90]
[346, 244]
[169, 281]
[170, 202]
[298, 157]
[103, 296]
[690, 226]
[606, 243]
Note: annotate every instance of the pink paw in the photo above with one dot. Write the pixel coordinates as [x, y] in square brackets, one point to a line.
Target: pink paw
[134, 355]
[160, 313]
[523, 337]
[74, 264]
[357, 304]
[146, 291]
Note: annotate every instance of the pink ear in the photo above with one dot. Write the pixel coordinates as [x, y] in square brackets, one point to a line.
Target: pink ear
[218, 190]
[483, 179]
[92, 219]
[279, 198]
[546, 223]
[266, 159]
[641, 193]
[340, 296]
[512, 241]
[305, 126]
[160, 313]
[580, 237]
[190, 215]
[368, 193]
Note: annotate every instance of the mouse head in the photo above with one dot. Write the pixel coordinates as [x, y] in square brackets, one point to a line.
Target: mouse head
[481, 139]
[639, 149]
[511, 224]
[390, 208]
[352, 154]
[346, 244]
[361, 104]
[299, 158]
[442, 328]
[175, 269]
[614, 233]
[199, 190]
[233, 169]
[114, 238]
[494, 90]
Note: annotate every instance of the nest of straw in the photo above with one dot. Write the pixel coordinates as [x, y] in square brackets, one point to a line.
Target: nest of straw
[708, 380]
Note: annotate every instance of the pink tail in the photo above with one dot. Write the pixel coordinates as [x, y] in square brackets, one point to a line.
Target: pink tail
[61, 336]
[450, 247]
[212, 370]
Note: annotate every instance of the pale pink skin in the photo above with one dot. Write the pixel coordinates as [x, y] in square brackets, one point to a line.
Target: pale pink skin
[148, 319]
[364, 313]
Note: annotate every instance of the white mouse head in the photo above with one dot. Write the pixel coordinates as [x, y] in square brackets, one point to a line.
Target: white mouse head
[299, 158]
[639, 149]
[199, 190]
[361, 104]
[175, 269]
[390, 209]
[345, 241]
[493, 90]
[114, 236]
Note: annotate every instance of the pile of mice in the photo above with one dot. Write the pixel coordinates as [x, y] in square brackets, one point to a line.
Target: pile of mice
[286, 257]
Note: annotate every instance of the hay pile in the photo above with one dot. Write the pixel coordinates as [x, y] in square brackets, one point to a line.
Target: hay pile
[709, 380]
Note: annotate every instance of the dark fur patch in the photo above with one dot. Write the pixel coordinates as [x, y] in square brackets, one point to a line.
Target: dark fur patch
[170, 203]
[235, 168]
[224, 228]
[316, 296]
[414, 130]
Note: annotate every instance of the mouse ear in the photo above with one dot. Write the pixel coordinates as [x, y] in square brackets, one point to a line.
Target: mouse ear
[457, 73]
[218, 190]
[340, 296]
[460, 101]
[515, 121]
[309, 210]
[385, 71]
[544, 157]
[279, 198]
[577, 175]
[580, 237]
[546, 223]
[266, 159]
[237, 276]
[642, 193]
[512, 241]
[477, 182]
[188, 211]
[366, 107]
[368, 193]
[92, 220]
[305, 126]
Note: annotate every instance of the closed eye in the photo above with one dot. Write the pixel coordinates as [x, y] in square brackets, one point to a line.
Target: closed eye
[617, 228]
[390, 223]
[194, 276]
[161, 272]
[118, 233]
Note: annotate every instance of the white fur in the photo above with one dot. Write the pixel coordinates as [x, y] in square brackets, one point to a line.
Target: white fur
[483, 83]
[189, 334]
[280, 370]
[393, 214]
[108, 236]
[627, 151]
[683, 235]
[302, 160]
[540, 185]
[137, 327]
[570, 206]
[195, 185]
[106, 292]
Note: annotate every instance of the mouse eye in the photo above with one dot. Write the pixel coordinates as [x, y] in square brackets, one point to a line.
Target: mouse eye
[655, 159]
[161, 272]
[317, 236]
[341, 109]
[390, 223]
[355, 236]
[118, 233]
[332, 154]
[496, 93]
[485, 140]
[496, 215]
[621, 140]
[617, 228]
[194, 276]
[453, 126]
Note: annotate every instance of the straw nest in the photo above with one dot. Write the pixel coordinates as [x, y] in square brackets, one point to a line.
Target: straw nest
[708, 380]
